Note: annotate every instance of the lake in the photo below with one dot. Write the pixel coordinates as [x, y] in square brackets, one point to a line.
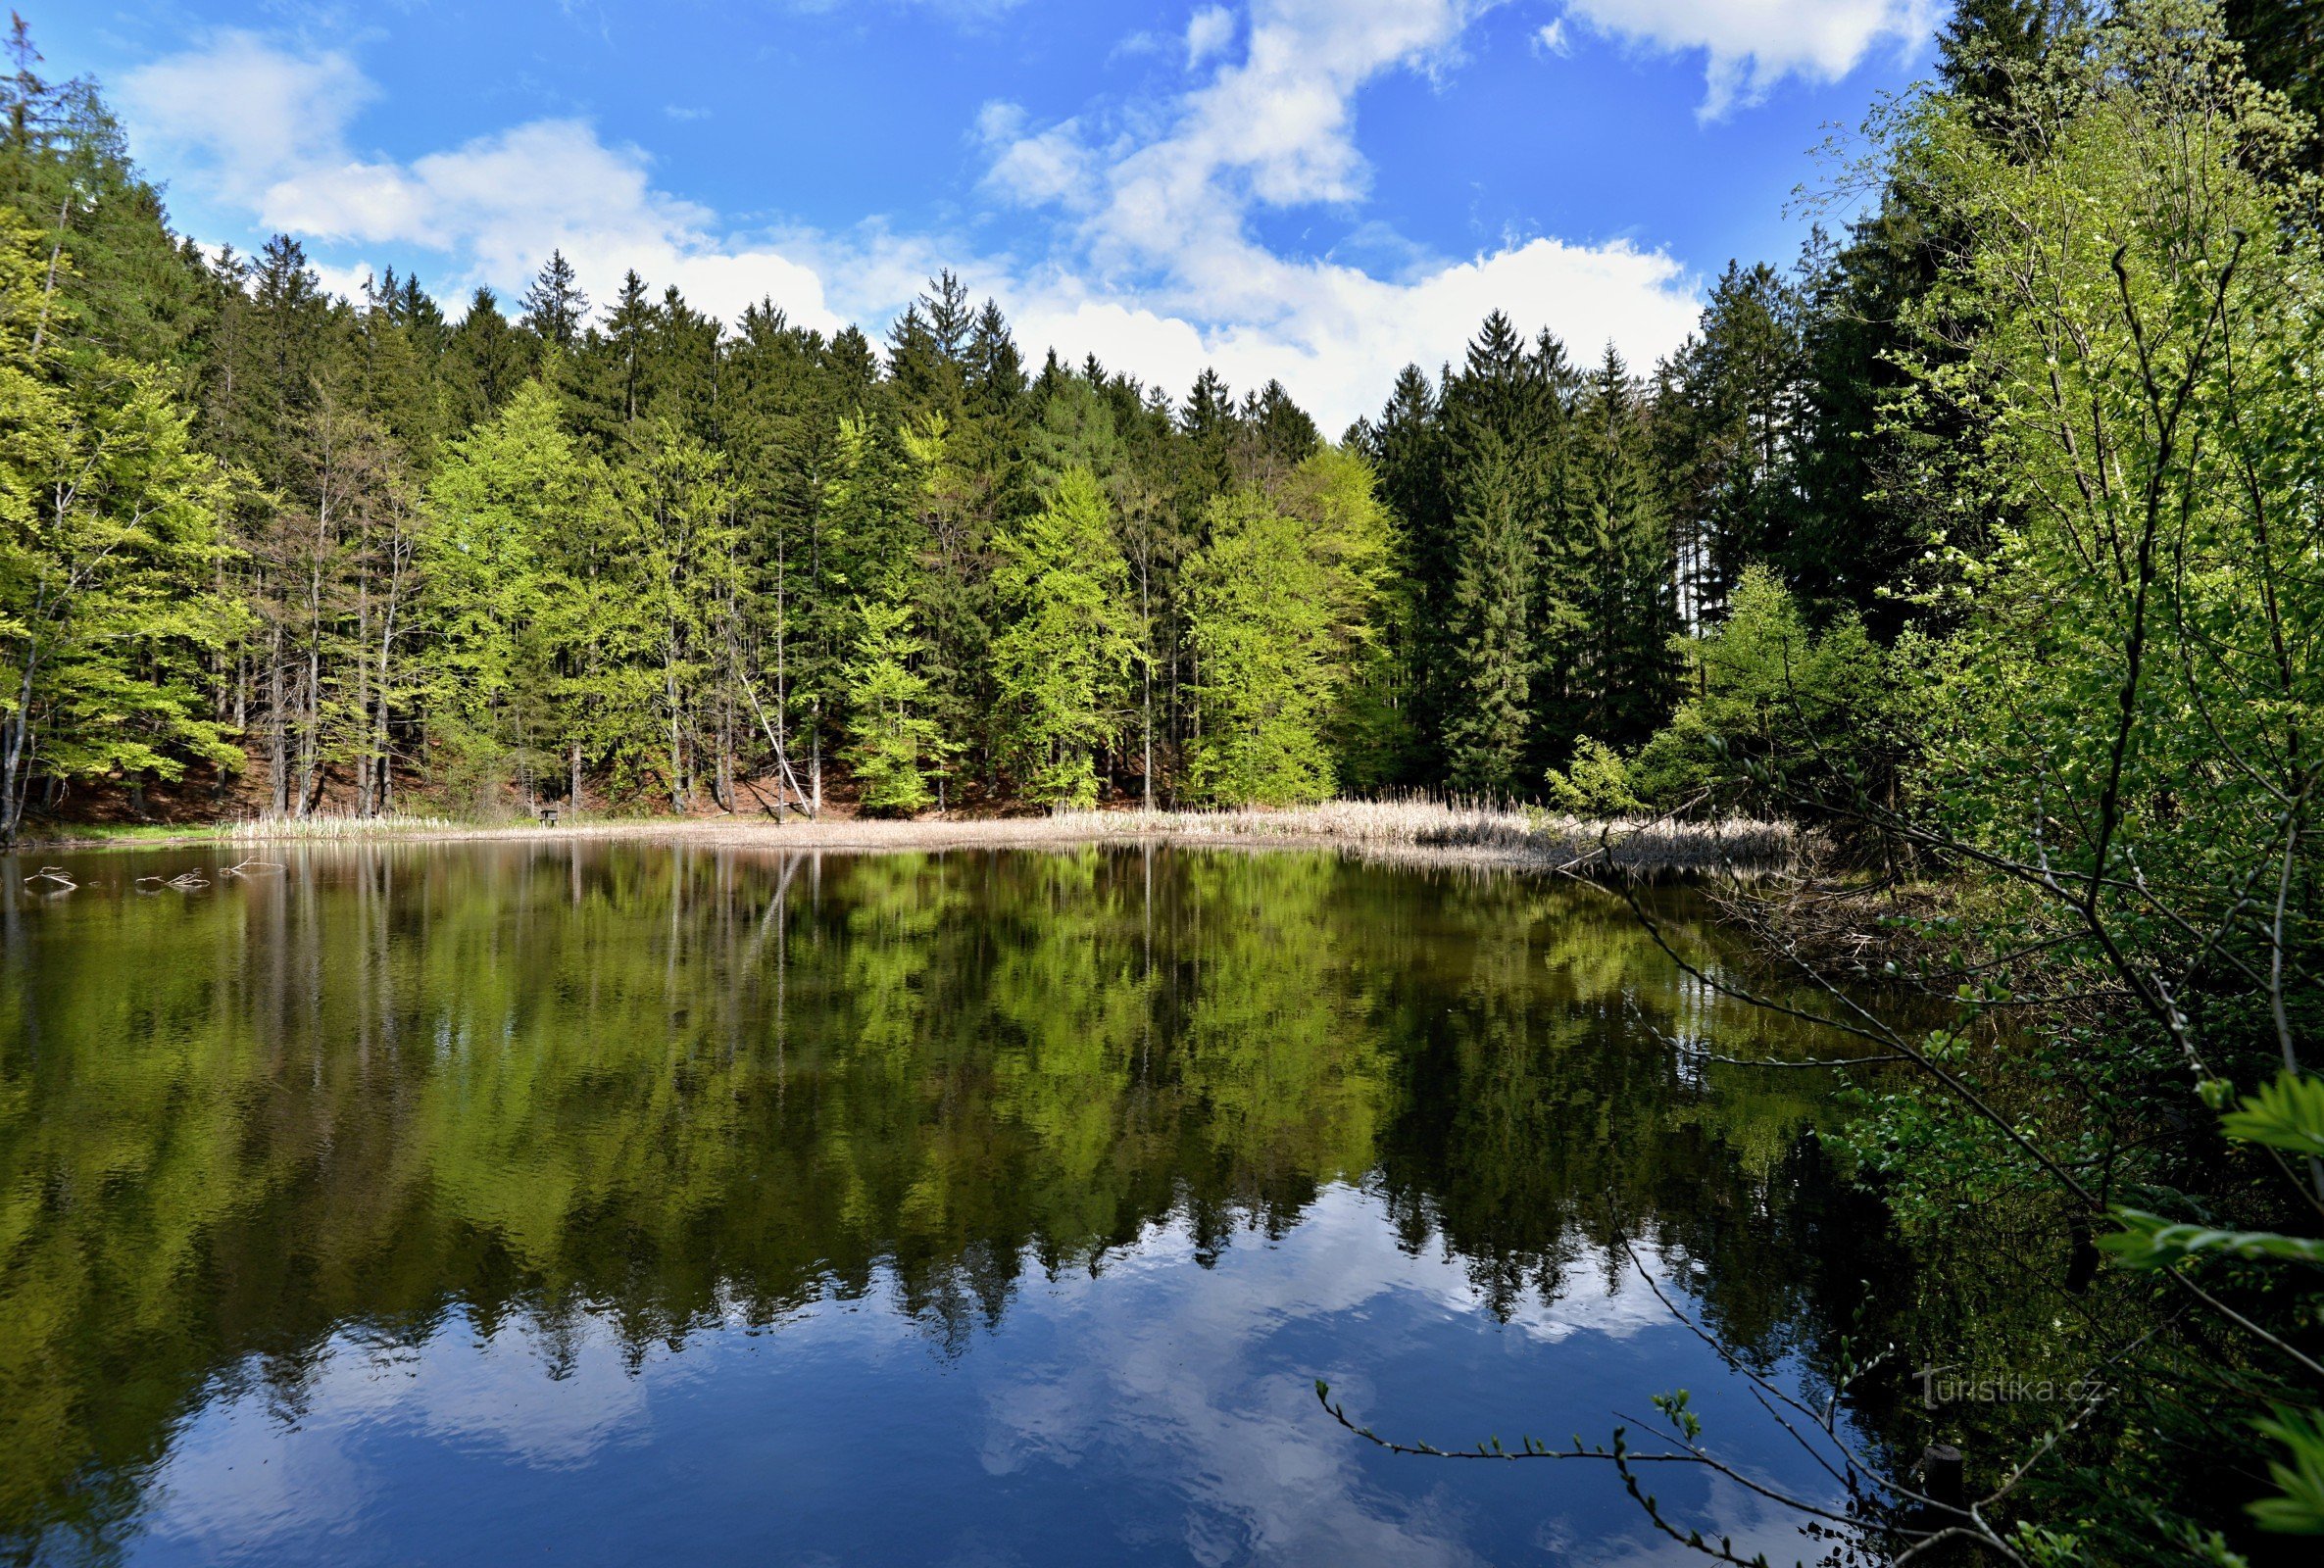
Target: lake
[604, 1203]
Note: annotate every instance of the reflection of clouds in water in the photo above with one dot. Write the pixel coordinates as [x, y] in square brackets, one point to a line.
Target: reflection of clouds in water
[1752, 1525]
[1179, 1365]
[1173, 1402]
[231, 1480]
[238, 1474]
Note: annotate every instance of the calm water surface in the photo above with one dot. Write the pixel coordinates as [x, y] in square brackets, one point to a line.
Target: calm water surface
[617, 1204]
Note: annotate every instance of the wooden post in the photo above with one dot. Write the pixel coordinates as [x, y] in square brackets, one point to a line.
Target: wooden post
[1942, 1476]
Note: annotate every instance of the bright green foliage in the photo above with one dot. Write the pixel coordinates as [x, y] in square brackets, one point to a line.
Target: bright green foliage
[106, 512]
[1062, 663]
[493, 509]
[675, 572]
[896, 746]
[1765, 692]
[2122, 728]
[2298, 1506]
[1597, 783]
[1261, 634]
[2169, 585]
[1355, 542]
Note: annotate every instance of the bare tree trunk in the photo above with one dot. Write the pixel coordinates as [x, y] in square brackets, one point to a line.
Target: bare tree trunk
[1146, 667]
[13, 773]
[363, 696]
[278, 743]
[678, 759]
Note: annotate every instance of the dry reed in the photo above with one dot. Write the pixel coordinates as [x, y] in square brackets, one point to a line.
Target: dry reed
[1406, 829]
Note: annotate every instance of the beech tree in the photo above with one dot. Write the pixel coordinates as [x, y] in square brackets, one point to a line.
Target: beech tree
[1064, 660]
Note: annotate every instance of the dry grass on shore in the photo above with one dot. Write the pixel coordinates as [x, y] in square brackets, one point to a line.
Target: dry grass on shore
[1415, 830]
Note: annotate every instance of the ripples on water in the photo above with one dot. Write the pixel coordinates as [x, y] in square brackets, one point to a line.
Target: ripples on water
[470, 1204]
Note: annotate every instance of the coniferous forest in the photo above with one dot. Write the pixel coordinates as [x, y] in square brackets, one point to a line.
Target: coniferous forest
[273, 549]
[1984, 539]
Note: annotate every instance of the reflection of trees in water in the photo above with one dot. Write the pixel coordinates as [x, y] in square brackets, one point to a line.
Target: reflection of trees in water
[657, 1089]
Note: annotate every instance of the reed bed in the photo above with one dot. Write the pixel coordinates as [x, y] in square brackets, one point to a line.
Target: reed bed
[1418, 830]
[336, 829]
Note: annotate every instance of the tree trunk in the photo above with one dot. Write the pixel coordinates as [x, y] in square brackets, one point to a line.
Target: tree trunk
[278, 743]
[13, 769]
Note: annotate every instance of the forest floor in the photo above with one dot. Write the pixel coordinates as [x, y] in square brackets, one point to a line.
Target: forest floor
[1406, 830]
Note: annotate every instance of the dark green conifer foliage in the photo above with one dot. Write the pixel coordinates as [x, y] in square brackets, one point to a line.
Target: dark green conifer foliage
[555, 307]
[1488, 651]
[800, 487]
[1622, 677]
[485, 361]
[2283, 44]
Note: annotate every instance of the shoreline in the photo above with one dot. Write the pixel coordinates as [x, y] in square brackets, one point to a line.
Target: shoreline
[1416, 832]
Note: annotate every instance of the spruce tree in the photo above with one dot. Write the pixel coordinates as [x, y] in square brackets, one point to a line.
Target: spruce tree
[485, 361]
[1621, 677]
[1488, 641]
[555, 307]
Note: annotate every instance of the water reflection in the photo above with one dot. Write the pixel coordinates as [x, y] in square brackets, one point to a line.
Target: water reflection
[449, 1204]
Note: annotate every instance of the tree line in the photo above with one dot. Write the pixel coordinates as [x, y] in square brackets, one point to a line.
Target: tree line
[359, 552]
[1987, 534]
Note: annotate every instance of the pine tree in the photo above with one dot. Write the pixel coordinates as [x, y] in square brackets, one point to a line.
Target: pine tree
[1732, 416]
[1286, 436]
[627, 344]
[485, 361]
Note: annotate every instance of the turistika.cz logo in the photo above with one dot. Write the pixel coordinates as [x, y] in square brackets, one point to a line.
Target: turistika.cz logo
[1945, 1384]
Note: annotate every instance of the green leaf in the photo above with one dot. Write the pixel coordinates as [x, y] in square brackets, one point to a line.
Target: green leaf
[2297, 1507]
[2148, 1241]
[2287, 1114]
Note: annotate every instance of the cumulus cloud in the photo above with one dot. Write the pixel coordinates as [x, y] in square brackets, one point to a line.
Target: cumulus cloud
[1147, 258]
[1209, 33]
[1336, 336]
[1158, 269]
[243, 109]
[266, 129]
[1751, 45]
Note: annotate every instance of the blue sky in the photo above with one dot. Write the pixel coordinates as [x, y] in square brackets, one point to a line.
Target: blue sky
[1318, 190]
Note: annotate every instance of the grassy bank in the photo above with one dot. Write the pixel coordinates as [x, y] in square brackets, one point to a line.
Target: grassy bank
[1415, 830]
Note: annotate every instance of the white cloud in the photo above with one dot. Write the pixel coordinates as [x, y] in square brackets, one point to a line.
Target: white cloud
[1752, 45]
[1550, 39]
[1209, 33]
[1148, 259]
[243, 108]
[1161, 275]
[266, 129]
[1336, 336]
